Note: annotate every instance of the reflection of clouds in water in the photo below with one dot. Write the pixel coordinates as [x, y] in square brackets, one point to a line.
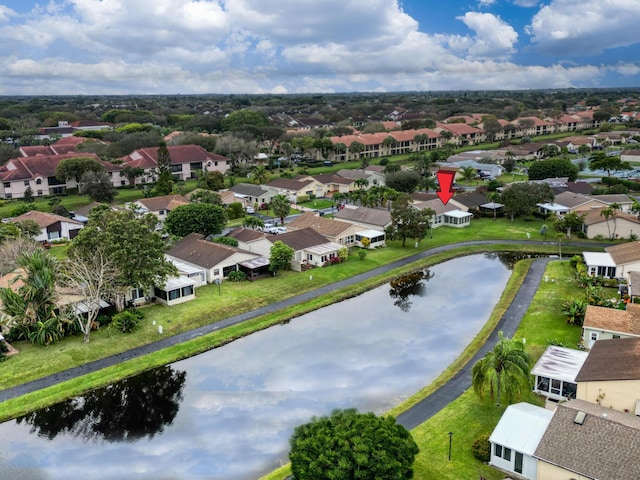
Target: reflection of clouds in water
[242, 401]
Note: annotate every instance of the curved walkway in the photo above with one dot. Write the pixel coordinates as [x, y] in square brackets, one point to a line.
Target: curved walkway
[410, 417]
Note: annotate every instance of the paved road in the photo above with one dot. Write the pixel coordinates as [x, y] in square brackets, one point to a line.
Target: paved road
[48, 381]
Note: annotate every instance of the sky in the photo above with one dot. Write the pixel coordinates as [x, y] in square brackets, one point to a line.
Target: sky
[70, 47]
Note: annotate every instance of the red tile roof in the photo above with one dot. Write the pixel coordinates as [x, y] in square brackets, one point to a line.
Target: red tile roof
[26, 168]
[148, 157]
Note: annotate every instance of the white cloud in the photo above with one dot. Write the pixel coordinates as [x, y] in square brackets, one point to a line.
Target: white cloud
[493, 36]
[526, 3]
[486, 3]
[585, 27]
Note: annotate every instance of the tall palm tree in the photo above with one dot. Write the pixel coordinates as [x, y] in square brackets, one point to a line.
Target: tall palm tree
[253, 222]
[468, 173]
[281, 207]
[260, 174]
[611, 212]
[504, 371]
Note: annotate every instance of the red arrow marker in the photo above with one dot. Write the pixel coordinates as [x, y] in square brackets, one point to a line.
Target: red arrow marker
[445, 179]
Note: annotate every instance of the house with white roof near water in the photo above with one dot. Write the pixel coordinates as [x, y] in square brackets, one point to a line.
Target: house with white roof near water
[516, 437]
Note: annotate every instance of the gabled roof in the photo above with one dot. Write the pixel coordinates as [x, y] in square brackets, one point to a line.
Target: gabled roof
[620, 198]
[595, 216]
[606, 445]
[248, 189]
[164, 202]
[196, 250]
[624, 253]
[609, 360]
[471, 199]
[613, 320]
[437, 206]
[246, 234]
[327, 178]
[26, 168]
[148, 157]
[354, 174]
[302, 239]
[289, 184]
[322, 225]
[584, 188]
[521, 427]
[370, 216]
[44, 219]
[574, 200]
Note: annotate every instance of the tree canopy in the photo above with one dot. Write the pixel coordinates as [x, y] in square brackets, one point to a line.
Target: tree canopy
[281, 256]
[553, 168]
[76, 167]
[522, 198]
[403, 181]
[131, 241]
[353, 445]
[281, 206]
[408, 221]
[204, 218]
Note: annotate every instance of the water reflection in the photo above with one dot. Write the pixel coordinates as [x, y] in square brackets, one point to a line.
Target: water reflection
[509, 259]
[129, 410]
[242, 401]
[413, 284]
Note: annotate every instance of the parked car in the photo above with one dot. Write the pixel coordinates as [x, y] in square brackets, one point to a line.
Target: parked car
[276, 230]
[250, 210]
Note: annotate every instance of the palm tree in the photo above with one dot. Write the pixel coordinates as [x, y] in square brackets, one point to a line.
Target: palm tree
[468, 173]
[253, 222]
[494, 197]
[611, 212]
[281, 207]
[429, 183]
[504, 371]
[260, 174]
[361, 183]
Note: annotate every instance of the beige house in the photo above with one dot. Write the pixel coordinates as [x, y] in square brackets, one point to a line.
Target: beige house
[449, 214]
[370, 218]
[295, 190]
[253, 241]
[626, 257]
[310, 248]
[217, 260]
[343, 233]
[602, 323]
[566, 202]
[610, 375]
[586, 441]
[622, 225]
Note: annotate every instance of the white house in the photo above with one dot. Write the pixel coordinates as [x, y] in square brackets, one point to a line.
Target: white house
[175, 290]
[602, 323]
[555, 372]
[516, 437]
[53, 227]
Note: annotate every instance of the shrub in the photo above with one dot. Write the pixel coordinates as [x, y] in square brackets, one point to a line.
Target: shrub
[104, 320]
[481, 448]
[237, 276]
[127, 321]
[362, 254]
[575, 260]
[235, 210]
[232, 242]
[384, 161]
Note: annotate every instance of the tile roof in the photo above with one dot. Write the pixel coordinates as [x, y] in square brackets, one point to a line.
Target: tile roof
[371, 216]
[325, 226]
[471, 199]
[437, 206]
[353, 174]
[574, 200]
[196, 250]
[605, 446]
[327, 178]
[614, 320]
[289, 184]
[164, 202]
[43, 219]
[624, 253]
[26, 168]
[620, 198]
[612, 359]
[595, 216]
[148, 157]
[246, 234]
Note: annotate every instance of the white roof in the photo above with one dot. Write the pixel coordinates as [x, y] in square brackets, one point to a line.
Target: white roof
[370, 233]
[553, 207]
[521, 427]
[83, 307]
[600, 259]
[560, 363]
[458, 214]
[177, 282]
[492, 205]
[324, 248]
[183, 267]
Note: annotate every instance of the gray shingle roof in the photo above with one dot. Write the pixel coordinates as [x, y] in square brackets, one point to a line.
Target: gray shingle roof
[608, 360]
[370, 216]
[606, 446]
[196, 250]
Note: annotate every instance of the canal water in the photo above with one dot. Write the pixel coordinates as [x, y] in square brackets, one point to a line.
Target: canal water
[228, 413]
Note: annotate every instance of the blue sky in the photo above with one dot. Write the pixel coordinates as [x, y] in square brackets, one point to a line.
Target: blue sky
[303, 46]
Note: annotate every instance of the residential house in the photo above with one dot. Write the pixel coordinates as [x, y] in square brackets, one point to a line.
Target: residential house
[52, 227]
[295, 190]
[626, 257]
[216, 259]
[62, 130]
[370, 218]
[375, 178]
[515, 439]
[461, 133]
[160, 206]
[620, 225]
[555, 373]
[253, 241]
[469, 200]
[249, 194]
[187, 161]
[624, 201]
[587, 441]
[197, 274]
[600, 264]
[480, 156]
[343, 233]
[39, 174]
[631, 155]
[610, 375]
[566, 202]
[175, 290]
[333, 183]
[311, 248]
[486, 170]
[448, 214]
[602, 323]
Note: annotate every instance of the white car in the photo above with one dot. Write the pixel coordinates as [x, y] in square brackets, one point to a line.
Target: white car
[276, 230]
[250, 210]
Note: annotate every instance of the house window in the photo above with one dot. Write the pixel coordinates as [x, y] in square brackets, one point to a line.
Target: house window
[137, 293]
[39, 181]
[543, 384]
[309, 257]
[186, 291]
[518, 463]
[39, 192]
[7, 184]
[502, 452]
[594, 336]
[161, 212]
[615, 336]
[123, 183]
[555, 386]
[26, 183]
[174, 294]
[216, 271]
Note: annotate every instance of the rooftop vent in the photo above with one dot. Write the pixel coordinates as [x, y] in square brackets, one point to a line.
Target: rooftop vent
[580, 416]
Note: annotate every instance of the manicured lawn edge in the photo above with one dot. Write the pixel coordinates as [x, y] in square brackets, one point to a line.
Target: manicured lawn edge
[21, 405]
